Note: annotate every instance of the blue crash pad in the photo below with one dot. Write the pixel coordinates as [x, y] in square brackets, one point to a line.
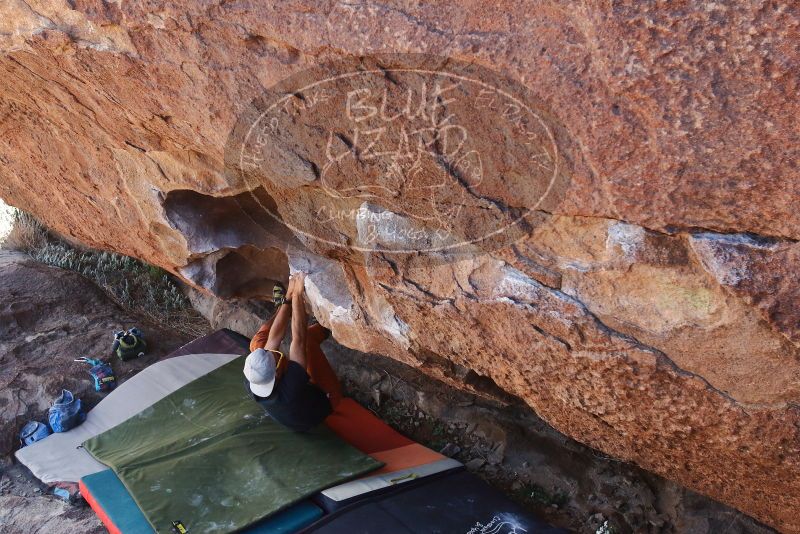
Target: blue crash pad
[111, 501]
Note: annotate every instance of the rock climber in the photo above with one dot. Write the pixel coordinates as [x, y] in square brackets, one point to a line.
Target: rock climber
[301, 390]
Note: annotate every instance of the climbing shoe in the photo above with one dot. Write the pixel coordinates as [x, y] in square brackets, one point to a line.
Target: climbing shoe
[279, 295]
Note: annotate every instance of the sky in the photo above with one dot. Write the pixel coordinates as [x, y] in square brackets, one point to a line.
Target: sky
[6, 219]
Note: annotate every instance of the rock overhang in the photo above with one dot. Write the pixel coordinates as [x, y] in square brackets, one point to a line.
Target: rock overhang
[651, 313]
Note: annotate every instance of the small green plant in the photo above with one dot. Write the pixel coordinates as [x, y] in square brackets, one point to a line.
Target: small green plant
[606, 528]
[439, 435]
[394, 414]
[539, 496]
[439, 429]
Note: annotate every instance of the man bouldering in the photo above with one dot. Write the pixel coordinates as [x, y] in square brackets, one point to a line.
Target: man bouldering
[301, 390]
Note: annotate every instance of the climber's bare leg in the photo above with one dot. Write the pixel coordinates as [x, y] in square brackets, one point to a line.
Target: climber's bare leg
[297, 350]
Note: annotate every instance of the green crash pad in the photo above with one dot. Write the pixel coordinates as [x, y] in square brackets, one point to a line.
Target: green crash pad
[208, 456]
[112, 502]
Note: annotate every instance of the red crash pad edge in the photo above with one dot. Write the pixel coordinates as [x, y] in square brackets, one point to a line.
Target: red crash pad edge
[362, 429]
[87, 496]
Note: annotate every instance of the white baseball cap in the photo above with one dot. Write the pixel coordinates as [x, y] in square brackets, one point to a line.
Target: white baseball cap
[259, 369]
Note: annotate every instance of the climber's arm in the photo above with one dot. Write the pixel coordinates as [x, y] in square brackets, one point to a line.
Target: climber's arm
[278, 330]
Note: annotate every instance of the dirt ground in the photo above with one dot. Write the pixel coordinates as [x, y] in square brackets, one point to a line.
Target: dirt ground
[49, 317]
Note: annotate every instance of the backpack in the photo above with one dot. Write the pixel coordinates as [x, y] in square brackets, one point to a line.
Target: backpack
[66, 412]
[32, 432]
[102, 374]
[129, 345]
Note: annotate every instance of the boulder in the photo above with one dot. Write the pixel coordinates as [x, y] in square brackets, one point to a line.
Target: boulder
[588, 207]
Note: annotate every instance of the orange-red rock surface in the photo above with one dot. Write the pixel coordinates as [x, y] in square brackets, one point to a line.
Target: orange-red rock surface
[649, 309]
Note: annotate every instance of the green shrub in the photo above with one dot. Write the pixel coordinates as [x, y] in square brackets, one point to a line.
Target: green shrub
[537, 495]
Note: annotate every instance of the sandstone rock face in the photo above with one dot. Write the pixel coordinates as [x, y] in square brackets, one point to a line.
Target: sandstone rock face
[646, 304]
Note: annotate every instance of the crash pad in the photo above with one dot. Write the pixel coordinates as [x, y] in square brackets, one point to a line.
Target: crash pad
[413, 455]
[109, 499]
[224, 341]
[455, 502]
[337, 497]
[362, 429]
[210, 457]
[404, 460]
[59, 456]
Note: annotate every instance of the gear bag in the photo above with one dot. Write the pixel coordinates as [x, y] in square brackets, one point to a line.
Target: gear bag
[66, 412]
[32, 432]
[102, 374]
[129, 344]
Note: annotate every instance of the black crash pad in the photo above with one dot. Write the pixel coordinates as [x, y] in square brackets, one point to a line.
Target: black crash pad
[456, 503]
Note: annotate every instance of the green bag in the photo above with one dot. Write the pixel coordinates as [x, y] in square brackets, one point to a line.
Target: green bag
[129, 345]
